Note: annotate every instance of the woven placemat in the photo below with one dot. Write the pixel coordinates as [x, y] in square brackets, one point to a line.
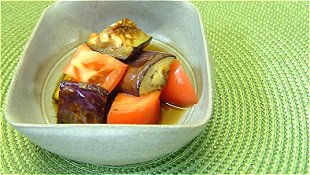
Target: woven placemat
[261, 119]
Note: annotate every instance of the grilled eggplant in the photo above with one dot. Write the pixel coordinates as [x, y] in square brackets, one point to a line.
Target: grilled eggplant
[81, 103]
[120, 40]
[147, 73]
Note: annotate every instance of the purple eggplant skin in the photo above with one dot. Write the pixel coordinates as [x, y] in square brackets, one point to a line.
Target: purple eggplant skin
[147, 73]
[81, 103]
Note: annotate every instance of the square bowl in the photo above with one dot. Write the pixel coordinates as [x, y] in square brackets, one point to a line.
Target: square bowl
[65, 25]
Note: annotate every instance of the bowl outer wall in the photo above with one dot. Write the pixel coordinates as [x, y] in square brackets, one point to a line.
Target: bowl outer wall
[111, 145]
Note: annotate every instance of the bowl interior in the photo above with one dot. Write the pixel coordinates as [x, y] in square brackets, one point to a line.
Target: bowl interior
[176, 25]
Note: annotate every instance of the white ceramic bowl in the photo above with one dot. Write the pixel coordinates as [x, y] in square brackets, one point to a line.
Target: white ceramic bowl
[65, 25]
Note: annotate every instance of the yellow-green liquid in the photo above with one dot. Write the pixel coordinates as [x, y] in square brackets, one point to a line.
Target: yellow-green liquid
[170, 114]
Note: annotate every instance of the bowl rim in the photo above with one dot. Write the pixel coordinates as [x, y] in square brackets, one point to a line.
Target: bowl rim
[210, 90]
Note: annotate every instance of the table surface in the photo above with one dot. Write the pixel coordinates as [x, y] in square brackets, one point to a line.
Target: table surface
[260, 122]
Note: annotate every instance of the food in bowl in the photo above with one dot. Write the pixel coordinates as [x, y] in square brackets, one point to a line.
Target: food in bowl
[113, 79]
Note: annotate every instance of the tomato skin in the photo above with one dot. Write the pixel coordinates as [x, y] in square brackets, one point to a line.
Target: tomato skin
[178, 91]
[128, 109]
[89, 66]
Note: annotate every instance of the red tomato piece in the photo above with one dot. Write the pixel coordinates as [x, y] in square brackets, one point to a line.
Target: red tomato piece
[179, 90]
[89, 66]
[127, 109]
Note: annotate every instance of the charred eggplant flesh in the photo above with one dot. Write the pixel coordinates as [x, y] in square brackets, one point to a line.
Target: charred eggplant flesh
[120, 40]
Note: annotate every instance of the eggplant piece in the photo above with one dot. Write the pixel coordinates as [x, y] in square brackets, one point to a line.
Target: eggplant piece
[56, 93]
[121, 40]
[147, 73]
[81, 103]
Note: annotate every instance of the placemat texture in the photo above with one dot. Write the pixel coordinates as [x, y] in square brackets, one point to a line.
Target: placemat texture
[261, 118]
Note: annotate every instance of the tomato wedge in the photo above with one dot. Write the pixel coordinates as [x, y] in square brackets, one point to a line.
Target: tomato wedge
[89, 66]
[127, 109]
[179, 91]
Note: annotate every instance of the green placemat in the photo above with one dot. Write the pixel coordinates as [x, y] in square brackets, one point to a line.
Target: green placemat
[260, 122]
